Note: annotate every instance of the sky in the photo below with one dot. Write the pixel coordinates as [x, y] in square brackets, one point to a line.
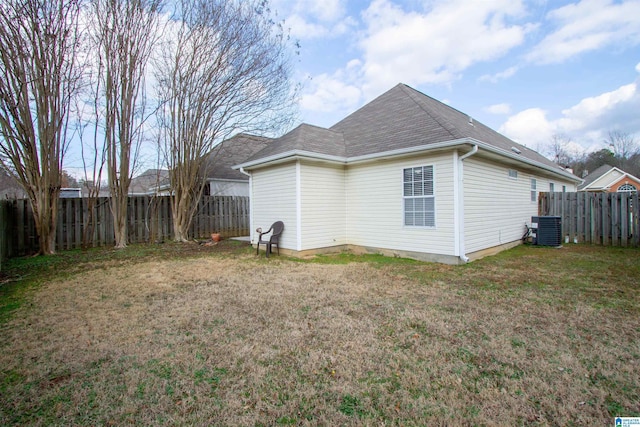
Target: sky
[528, 69]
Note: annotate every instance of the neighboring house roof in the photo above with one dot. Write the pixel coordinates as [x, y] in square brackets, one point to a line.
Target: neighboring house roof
[148, 181]
[604, 178]
[399, 121]
[591, 177]
[219, 162]
[9, 187]
[232, 151]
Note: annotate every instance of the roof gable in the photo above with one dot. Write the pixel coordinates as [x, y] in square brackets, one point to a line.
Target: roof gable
[305, 138]
[398, 121]
[605, 177]
[404, 117]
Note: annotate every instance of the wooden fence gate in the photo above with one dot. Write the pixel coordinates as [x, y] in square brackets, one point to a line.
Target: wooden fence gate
[610, 219]
[149, 220]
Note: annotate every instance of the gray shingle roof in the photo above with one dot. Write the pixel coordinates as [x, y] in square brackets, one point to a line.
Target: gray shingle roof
[233, 151]
[401, 118]
[595, 175]
[148, 181]
[306, 138]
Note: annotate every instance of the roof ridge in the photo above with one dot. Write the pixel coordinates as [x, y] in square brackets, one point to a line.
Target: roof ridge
[444, 123]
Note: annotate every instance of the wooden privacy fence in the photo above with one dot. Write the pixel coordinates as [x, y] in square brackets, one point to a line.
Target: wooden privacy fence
[610, 219]
[149, 220]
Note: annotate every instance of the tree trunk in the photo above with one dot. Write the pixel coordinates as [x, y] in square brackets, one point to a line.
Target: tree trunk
[45, 212]
[182, 211]
[119, 203]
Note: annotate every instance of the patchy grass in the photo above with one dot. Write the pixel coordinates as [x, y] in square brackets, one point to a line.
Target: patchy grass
[182, 335]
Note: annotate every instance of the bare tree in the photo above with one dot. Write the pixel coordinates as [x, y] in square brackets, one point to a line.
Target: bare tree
[623, 146]
[39, 76]
[558, 150]
[225, 67]
[93, 150]
[125, 32]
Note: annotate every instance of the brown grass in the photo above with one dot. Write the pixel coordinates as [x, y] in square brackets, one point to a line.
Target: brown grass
[530, 337]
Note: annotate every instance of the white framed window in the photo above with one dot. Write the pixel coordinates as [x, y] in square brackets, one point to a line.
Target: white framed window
[418, 197]
[564, 188]
[552, 187]
[627, 188]
[534, 192]
[513, 174]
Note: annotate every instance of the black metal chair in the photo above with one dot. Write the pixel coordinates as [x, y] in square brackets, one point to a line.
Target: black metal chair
[276, 229]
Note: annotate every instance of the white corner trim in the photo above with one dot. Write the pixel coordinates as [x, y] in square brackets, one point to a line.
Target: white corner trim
[251, 210]
[298, 207]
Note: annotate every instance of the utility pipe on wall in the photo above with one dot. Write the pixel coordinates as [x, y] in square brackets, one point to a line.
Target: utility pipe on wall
[473, 151]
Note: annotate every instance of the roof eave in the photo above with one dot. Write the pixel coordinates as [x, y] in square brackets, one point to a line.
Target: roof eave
[518, 157]
[289, 156]
[302, 154]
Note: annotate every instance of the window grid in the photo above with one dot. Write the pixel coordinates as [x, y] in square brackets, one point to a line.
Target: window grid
[627, 188]
[419, 200]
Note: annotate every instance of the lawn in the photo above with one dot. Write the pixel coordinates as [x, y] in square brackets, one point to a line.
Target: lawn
[187, 335]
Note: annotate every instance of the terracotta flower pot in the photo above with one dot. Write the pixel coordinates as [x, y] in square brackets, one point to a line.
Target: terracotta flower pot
[216, 237]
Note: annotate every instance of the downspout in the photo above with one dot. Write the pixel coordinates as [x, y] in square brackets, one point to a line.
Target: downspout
[460, 224]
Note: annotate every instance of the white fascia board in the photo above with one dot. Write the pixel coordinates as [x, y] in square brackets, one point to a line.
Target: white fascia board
[514, 156]
[288, 156]
[240, 181]
[409, 150]
[302, 154]
[629, 176]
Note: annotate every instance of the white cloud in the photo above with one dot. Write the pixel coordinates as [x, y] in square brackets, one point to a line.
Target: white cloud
[503, 108]
[638, 67]
[310, 19]
[586, 123]
[593, 111]
[436, 45]
[330, 94]
[302, 29]
[509, 72]
[588, 25]
[529, 127]
[325, 10]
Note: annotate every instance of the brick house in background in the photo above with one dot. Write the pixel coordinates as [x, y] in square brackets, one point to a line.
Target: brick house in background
[609, 179]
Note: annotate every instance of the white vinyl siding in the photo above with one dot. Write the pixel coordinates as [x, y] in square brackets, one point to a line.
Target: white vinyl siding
[605, 180]
[274, 199]
[375, 211]
[497, 207]
[323, 206]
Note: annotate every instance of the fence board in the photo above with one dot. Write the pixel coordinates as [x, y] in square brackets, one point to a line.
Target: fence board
[610, 219]
[149, 220]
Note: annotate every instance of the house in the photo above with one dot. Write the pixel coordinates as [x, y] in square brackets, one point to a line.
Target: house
[405, 175]
[609, 179]
[222, 179]
[150, 182]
